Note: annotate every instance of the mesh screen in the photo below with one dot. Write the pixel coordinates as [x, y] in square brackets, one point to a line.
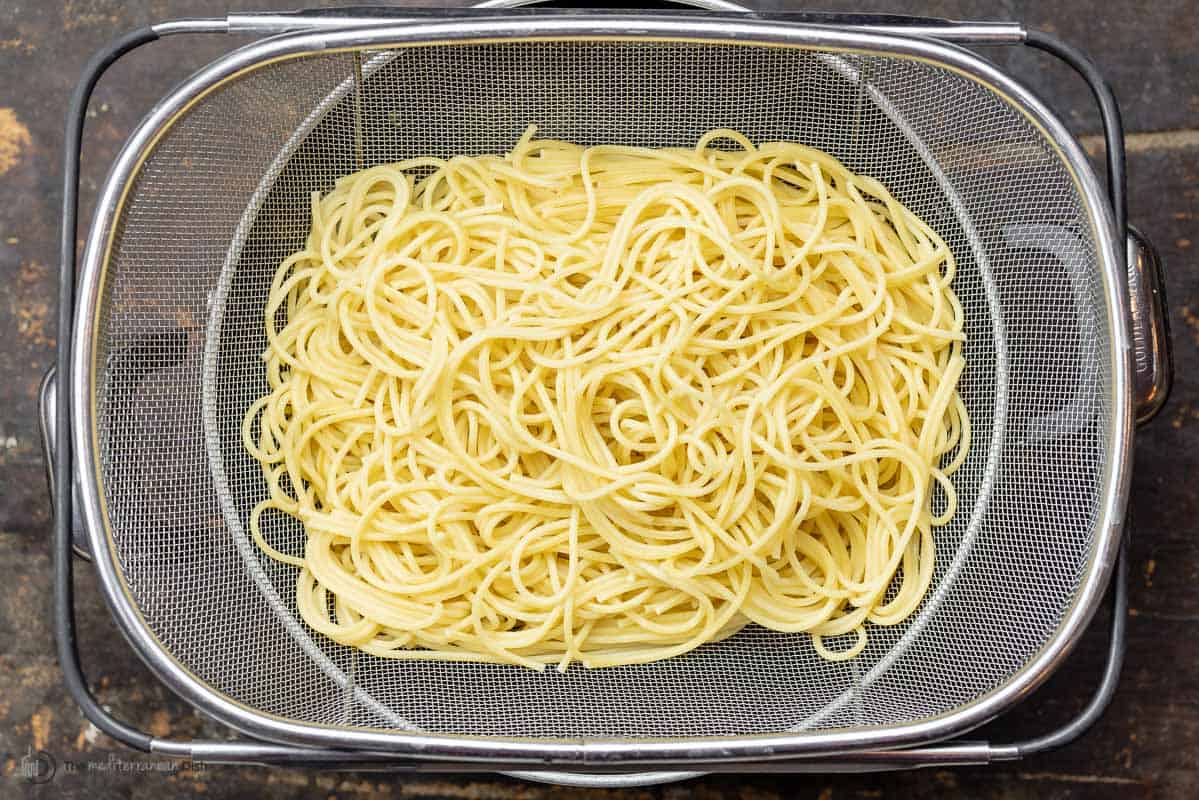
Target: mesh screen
[223, 198]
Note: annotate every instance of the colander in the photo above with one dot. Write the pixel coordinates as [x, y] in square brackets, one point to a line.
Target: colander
[1066, 349]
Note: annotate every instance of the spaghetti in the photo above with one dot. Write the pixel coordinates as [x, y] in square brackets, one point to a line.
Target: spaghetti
[608, 404]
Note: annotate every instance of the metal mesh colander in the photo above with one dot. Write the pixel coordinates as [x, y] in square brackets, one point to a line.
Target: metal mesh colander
[221, 196]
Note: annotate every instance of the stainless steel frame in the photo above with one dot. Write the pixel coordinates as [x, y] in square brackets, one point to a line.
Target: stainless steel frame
[878, 748]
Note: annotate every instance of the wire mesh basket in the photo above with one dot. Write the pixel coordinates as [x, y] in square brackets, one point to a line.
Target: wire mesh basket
[212, 192]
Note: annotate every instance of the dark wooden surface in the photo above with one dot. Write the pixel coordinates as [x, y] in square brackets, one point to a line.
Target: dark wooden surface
[1146, 746]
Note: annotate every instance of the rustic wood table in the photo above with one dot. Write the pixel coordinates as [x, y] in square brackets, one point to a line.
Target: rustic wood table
[1147, 745]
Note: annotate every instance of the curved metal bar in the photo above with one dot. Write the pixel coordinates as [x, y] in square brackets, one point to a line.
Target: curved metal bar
[64, 590]
[976, 32]
[199, 25]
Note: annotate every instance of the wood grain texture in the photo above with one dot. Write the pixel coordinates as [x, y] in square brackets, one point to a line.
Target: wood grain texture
[1144, 747]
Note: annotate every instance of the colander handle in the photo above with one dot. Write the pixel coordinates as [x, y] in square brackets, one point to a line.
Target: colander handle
[1153, 360]
[962, 32]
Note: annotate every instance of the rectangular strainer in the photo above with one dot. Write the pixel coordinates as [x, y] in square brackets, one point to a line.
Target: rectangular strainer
[212, 192]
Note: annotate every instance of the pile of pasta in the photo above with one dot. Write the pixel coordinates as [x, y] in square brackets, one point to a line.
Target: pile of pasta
[608, 404]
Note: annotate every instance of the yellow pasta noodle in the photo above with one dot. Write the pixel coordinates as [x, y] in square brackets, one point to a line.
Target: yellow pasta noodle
[609, 404]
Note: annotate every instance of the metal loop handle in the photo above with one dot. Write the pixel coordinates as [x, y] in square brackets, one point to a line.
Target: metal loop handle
[340, 18]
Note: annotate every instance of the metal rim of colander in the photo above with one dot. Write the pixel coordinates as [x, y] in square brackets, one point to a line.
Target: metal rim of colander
[647, 752]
